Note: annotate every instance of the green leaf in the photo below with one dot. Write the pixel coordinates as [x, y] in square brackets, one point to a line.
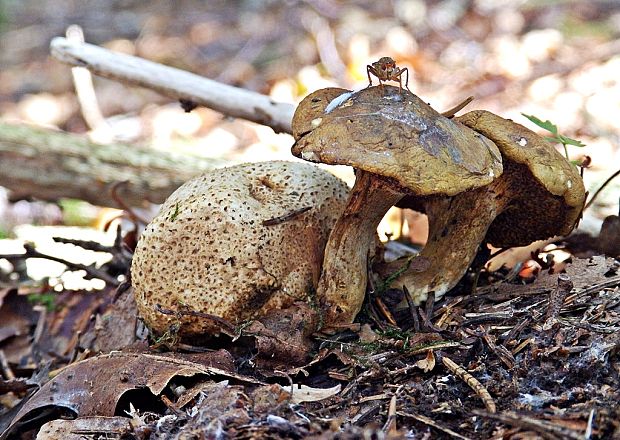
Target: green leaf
[554, 139]
[569, 141]
[547, 125]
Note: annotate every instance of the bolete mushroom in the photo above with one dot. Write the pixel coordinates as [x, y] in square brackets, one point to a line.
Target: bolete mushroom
[235, 243]
[403, 152]
[539, 195]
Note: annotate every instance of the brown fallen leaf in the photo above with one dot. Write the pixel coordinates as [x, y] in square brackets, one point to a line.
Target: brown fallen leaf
[18, 319]
[94, 387]
[115, 328]
[282, 337]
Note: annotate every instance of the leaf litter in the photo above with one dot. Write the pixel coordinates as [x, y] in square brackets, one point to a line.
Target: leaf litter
[513, 358]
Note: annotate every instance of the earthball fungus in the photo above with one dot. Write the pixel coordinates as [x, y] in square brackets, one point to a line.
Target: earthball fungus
[407, 154]
[233, 244]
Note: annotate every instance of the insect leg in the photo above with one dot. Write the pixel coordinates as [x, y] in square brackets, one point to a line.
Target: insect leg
[406, 78]
[369, 70]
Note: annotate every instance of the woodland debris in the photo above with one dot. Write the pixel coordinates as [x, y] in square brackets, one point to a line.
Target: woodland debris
[96, 386]
[49, 165]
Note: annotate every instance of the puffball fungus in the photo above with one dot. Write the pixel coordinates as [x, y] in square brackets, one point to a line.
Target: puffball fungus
[235, 243]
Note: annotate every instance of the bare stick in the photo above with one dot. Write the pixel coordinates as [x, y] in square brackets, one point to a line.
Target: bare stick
[430, 422]
[457, 108]
[176, 83]
[556, 300]
[286, 217]
[473, 383]
[91, 271]
[545, 428]
[84, 87]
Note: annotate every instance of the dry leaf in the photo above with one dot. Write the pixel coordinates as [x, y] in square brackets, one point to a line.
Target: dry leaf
[303, 393]
[428, 363]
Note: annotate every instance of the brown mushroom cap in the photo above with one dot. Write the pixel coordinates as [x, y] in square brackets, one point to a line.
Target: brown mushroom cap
[539, 195]
[395, 135]
[309, 115]
[209, 250]
[550, 194]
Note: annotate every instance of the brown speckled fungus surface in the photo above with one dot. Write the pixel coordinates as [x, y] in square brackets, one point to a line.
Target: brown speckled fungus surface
[235, 243]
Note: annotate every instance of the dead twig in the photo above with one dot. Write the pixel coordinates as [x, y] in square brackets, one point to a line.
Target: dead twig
[556, 300]
[176, 84]
[500, 351]
[89, 245]
[390, 424]
[84, 88]
[546, 429]
[385, 312]
[225, 326]
[413, 310]
[91, 272]
[286, 217]
[457, 108]
[124, 206]
[472, 382]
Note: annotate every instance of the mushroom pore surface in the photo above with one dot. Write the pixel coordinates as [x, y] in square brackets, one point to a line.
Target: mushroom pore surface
[235, 243]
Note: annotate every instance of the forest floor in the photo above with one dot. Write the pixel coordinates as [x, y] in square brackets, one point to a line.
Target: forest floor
[531, 351]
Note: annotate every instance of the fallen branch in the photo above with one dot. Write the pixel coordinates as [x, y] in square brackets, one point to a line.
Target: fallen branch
[48, 164]
[472, 382]
[91, 271]
[175, 83]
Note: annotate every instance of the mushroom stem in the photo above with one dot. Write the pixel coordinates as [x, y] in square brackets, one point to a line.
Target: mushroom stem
[457, 225]
[342, 285]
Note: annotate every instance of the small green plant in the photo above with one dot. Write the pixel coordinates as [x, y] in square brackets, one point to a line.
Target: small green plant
[175, 214]
[556, 136]
[44, 299]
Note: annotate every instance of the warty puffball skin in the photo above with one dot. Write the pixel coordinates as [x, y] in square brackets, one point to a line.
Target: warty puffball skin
[208, 250]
